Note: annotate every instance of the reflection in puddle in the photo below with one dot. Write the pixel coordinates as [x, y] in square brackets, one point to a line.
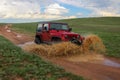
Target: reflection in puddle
[111, 63]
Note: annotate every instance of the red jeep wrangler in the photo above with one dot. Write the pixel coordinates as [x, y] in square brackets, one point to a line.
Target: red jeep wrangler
[54, 32]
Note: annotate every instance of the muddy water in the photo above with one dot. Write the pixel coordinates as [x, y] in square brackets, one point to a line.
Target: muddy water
[91, 43]
[94, 58]
[91, 57]
[111, 63]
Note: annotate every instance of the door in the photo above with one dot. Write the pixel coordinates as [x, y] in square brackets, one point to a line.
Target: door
[45, 33]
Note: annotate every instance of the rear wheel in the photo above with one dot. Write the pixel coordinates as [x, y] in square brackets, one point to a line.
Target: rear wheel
[38, 40]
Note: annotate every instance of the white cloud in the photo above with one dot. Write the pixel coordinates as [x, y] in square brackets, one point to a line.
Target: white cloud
[104, 13]
[52, 17]
[69, 17]
[97, 7]
[17, 9]
[32, 9]
[55, 9]
[52, 9]
[79, 14]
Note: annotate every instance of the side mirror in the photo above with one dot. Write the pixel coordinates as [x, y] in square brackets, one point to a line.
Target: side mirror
[70, 29]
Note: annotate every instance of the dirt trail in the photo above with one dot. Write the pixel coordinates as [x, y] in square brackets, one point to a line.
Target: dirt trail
[92, 71]
[16, 38]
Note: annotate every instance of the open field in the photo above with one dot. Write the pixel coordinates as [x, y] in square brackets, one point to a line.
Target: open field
[16, 64]
[29, 28]
[108, 28]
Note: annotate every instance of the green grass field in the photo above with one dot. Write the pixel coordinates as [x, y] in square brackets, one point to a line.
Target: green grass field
[16, 64]
[29, 28]
[108, 28]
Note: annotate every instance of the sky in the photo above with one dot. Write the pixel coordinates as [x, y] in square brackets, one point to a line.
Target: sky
[17, 11]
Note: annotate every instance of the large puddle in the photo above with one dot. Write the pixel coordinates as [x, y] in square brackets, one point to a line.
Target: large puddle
[91, 57]
[111, 63]
[94, 58]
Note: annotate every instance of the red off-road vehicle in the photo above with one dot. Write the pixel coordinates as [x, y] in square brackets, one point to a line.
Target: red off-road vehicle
[48, 32]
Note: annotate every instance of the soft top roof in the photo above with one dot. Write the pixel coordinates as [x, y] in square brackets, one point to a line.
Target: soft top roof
[52, 22]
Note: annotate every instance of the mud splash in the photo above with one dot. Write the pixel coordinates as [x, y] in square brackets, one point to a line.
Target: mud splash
[59, 49]
[90, 51]
[91, 43]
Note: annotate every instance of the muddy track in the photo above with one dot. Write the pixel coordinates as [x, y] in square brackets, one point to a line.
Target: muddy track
[14, 37]
[90, 71]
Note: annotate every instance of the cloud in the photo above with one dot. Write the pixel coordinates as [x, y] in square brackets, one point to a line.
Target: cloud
[97, 7]
[69, 17]
[79, 14]
[55, 9]
[17, 9]
[104, 13]
[32, 9]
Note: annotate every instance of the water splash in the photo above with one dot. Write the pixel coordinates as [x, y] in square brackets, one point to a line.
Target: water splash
[91, 43]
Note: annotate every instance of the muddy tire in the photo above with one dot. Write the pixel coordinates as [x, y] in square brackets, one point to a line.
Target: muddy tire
[75, 41]
[37, 40]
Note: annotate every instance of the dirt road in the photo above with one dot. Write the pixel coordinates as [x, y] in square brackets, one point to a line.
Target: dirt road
[91, 71]
[14, 37]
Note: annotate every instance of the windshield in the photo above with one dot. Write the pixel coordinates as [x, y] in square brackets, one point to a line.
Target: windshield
[56, 26]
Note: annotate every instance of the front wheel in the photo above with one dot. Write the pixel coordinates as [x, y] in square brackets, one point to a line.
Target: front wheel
[75, 41]
[38, 40]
